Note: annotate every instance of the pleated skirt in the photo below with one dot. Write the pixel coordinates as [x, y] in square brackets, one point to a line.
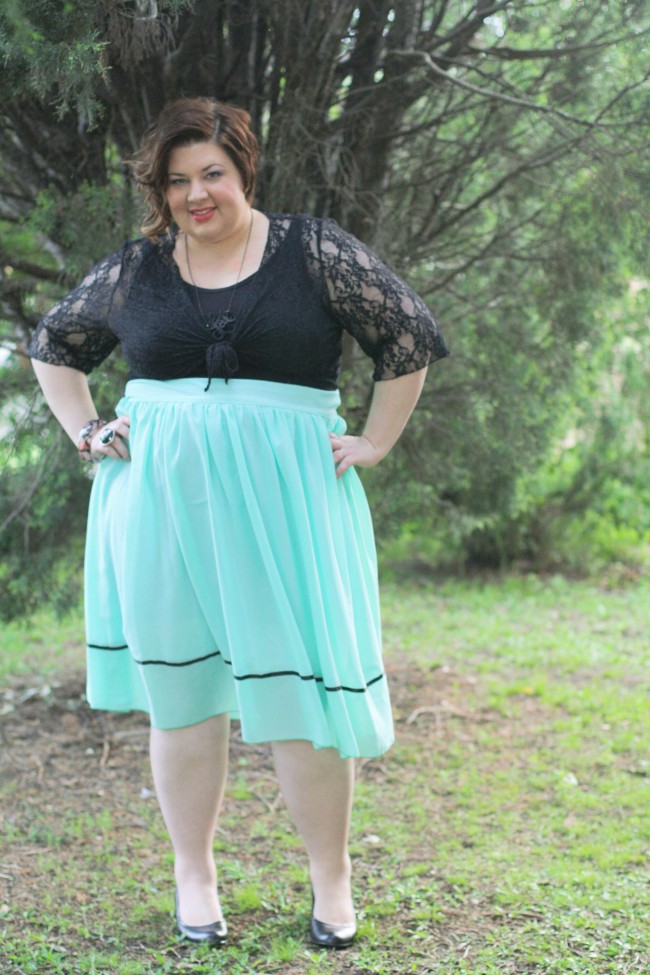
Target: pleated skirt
[228, 570]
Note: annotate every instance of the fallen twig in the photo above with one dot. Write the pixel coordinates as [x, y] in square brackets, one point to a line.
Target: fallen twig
[106, 750]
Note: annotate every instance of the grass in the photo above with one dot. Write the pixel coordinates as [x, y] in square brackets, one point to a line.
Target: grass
[506, 833]
[42, 645]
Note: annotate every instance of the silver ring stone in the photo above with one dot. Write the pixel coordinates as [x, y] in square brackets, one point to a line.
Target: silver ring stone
[107, 436]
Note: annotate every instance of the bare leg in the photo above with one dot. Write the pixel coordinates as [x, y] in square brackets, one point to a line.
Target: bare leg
[317, 785]
[189, 768]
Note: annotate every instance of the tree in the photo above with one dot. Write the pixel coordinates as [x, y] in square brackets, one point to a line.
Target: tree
[454, 136]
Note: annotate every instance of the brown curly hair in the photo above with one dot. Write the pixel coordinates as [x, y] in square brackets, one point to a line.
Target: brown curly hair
[181, 123]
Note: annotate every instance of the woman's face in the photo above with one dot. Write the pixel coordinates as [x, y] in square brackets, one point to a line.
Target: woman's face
[205, 193]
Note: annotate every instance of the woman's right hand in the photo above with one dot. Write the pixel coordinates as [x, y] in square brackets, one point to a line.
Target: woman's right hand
[118, 449]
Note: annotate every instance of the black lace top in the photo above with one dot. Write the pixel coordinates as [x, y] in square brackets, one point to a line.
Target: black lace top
[314, 281]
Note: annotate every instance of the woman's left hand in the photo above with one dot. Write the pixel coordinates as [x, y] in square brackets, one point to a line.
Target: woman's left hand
[118, 446]
[353, 451]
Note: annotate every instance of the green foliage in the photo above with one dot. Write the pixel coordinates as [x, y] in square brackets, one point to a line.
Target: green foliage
[43, 497]
[54, 48]
[88, 224]
[589, 504]
[40, 545]
[531, 443]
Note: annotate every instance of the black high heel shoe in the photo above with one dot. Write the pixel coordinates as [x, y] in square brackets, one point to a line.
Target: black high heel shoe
[330, 935]
[203, 934]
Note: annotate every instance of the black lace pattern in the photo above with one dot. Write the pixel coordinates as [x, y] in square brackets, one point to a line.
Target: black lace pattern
[76, 332]
[387, 318]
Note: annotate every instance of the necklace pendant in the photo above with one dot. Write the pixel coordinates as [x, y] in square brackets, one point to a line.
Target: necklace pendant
[219, 324]
[225, 319]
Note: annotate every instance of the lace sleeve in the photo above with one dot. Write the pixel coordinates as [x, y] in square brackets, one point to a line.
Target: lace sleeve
[388, 319]
[75, 332]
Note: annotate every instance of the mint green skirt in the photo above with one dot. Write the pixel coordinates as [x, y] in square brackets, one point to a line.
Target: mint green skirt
[229, 570]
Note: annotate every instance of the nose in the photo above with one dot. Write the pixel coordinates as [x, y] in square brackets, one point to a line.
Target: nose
[197, 191]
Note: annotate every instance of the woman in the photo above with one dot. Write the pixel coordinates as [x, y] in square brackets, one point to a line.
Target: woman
[230, 567]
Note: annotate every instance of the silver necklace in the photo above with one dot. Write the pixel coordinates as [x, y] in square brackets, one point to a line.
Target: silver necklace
[218, 324]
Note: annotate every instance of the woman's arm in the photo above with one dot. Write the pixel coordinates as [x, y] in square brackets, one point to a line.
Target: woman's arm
[67, 394]
[392, 325]
[393, 401]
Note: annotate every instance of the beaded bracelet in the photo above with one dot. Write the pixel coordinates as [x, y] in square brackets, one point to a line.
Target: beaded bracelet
[86, 434]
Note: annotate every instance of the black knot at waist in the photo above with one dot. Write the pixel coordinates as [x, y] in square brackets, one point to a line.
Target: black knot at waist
[221, 360]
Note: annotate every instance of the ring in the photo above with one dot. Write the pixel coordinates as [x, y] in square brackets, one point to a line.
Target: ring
[107, 436]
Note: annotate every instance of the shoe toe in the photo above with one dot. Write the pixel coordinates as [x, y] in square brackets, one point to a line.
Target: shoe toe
[331, 935]
[203, 934]
[206, 934]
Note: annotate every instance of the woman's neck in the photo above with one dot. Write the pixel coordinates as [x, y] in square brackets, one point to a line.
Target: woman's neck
[220, 263]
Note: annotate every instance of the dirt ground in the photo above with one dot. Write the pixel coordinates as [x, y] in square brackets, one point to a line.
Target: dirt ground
[63, 767]
[61, 761]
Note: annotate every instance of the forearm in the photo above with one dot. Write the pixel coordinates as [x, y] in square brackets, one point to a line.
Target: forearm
[393, 401]
[67, 394]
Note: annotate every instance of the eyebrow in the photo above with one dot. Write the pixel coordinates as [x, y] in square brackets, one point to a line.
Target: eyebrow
[209, 166]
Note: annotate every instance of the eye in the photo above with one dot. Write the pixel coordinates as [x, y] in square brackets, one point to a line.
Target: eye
[176, 180]
[214, 174]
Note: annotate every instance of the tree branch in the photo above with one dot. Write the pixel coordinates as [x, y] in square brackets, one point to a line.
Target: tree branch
[493, 95]
[34, 270]
[528, 54]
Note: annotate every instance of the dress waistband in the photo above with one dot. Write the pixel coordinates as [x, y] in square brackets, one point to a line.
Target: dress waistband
[237, 392]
